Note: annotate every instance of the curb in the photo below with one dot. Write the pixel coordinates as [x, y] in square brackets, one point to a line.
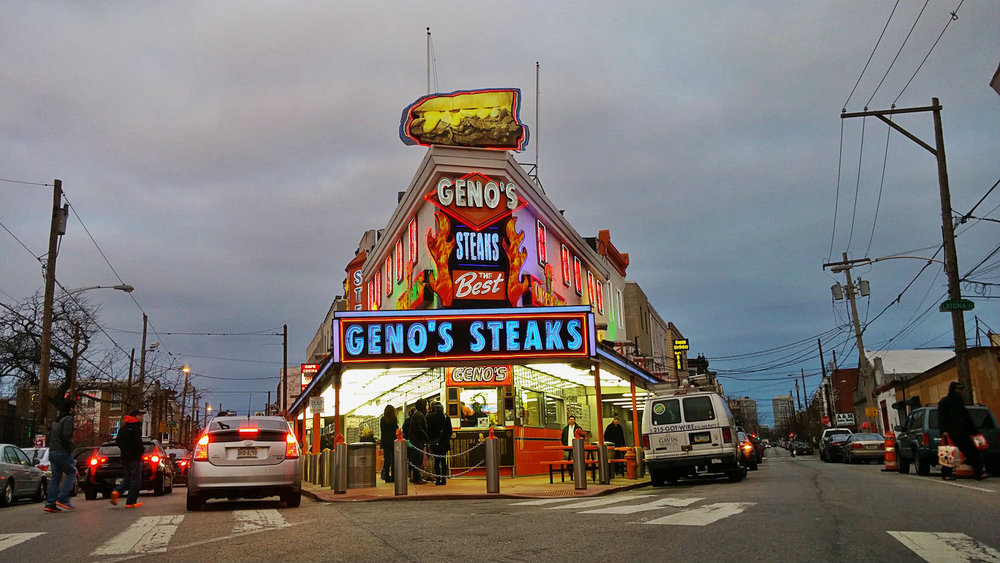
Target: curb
[462, 496]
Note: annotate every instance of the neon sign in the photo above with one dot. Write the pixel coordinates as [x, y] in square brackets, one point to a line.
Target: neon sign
[481, 334]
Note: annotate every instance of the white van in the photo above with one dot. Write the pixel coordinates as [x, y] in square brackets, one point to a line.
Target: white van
[685, 433]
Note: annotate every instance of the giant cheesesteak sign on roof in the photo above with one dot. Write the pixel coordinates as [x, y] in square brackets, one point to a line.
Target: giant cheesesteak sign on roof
[486, 118]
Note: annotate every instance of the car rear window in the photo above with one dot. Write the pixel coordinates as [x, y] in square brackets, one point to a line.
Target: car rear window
[698, 409]
[667, 411]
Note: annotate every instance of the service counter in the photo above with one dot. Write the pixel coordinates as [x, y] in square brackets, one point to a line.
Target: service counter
[465, 438]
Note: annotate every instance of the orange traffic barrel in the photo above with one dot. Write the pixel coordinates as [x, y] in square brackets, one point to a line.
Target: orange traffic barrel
[890, 452]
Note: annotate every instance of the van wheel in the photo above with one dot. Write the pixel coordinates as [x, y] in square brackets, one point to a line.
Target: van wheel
[656, 477]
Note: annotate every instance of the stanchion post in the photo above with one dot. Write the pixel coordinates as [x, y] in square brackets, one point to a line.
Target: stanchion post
[579, 464]
[400, 467]
[603, 470]
[339, 465]
[324, 475]
[492, 464]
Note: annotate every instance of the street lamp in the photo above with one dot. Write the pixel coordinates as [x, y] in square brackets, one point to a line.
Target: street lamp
[46, 354]
[208, 413]
[186, 371]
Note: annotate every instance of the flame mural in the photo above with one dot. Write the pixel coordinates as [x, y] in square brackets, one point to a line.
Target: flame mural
[440, 250]
[516, 284]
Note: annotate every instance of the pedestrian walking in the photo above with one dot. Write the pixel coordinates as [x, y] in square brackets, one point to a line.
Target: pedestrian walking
[61, 462]
[615, 434]
[955, 419]
[129, 441]
[439, 430]
[418, 440]
[387, 427]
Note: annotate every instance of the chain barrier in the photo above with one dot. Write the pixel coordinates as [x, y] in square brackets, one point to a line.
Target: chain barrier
[425, 472]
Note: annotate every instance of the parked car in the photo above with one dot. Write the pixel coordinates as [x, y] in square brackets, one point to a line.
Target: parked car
[182, 462]
[834, 448]
[687, 433]
[245, 457]
[747, 450]
[799, 447]
[106, 470]
[19, 478]
[40, 458]
[864, 446]
[827, 436]
[918, 438]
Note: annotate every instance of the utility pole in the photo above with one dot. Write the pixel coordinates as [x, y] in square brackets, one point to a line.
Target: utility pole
[798, 400]
[73, 361]
[284, 369]
[947, 234]
[186, 370]
[57, 228]
[142, 361]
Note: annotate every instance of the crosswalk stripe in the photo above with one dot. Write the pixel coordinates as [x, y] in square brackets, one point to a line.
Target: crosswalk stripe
[704, 515]
[651, 505]
[541, 502]
[146, 535]
[10, 540]
[252, 520]
[595, 502]
[946, 547]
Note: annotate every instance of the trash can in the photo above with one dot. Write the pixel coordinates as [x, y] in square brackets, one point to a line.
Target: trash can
[360, 465]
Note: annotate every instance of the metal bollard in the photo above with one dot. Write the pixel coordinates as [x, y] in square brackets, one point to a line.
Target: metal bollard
[579, 464]
[340, 469]
[492, 464]
[324, 475]
[309, 468]
[603, 471]
[328, 469]
[400, 467]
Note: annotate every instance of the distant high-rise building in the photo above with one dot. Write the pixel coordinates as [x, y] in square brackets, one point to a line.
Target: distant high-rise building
[749, 408]
[784, 410]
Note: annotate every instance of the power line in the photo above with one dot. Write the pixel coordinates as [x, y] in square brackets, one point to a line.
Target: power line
[881, 35]
[905, 40]
[953, 17]
[24, 182]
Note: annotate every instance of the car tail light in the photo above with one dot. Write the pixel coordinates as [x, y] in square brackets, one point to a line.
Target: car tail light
[857, 446]
[43, 466]
[291, 446]
[727, 435]
[747, 447]
[925, 439]
[645, 441]
[201, 449]
[249, 431]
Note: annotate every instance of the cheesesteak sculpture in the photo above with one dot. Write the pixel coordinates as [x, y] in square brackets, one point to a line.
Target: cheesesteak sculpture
[468, 118]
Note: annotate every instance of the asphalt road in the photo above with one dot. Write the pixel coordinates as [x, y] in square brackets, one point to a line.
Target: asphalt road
[791, 509]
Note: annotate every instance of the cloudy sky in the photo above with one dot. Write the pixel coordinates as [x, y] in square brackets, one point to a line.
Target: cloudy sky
[227, 156]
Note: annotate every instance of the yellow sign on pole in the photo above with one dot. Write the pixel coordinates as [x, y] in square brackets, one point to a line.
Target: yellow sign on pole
[871, 412]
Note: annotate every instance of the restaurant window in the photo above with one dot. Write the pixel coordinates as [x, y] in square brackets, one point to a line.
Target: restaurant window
[555, 411]
[543, 256]
[590, 289]
[399, 260]
[577, 279]
[621, 320]
[564, 256]
[412, 239]
[531, 408]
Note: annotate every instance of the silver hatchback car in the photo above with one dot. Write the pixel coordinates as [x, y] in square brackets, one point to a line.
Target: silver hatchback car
[245, 457]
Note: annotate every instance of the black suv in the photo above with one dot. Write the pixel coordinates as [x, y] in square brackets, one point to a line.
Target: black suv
[106, 470]
[917, 440]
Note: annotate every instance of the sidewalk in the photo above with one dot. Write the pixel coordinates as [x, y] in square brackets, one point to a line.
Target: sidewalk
[533, 486]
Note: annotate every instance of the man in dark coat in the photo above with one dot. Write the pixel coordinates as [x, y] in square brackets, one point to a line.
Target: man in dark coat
[417, 435]
[439, 430]
[614, 434]
[568, 434]
[129, 441]
[61, 460]
[955, 419]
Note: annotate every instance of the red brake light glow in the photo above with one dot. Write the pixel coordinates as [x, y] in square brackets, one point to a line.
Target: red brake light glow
[727, 435]
[201, 450]
[249, 430]
[291, 446]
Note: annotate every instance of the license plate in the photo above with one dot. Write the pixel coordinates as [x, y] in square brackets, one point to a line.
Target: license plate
[246, 453]
[871, 447]
[701, 438]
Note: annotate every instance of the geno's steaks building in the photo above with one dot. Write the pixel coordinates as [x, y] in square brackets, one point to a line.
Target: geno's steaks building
[480, 295]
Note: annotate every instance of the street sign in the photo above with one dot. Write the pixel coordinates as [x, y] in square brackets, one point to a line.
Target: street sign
[871, 412]
[316, 404]
[171, 423]
[845, 418]
[957, 305]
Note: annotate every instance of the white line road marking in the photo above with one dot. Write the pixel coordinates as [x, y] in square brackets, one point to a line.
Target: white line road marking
[540, 502]
[10, 540]
[651, 505]
[705, 515]
[946, 547]
[148, 534]
[596, 502]
[251, 520]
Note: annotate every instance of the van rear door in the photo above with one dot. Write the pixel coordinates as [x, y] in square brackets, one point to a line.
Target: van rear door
[705, 435]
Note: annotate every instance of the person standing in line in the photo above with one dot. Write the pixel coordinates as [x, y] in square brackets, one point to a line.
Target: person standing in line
[568, 434]
[387, 428]
[439, 430]
[129, 441]
[955, 419]
[615, 434]
[61, 460]
[418, 440]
